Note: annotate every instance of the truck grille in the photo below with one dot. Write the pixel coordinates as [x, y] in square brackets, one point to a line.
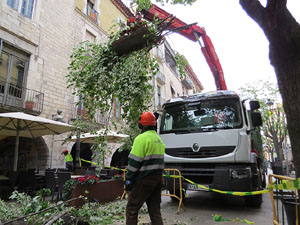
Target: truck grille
[204, 152]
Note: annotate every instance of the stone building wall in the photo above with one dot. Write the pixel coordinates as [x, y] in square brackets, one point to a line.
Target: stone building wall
[49, 37]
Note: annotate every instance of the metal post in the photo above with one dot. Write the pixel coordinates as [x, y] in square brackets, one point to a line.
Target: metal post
[17, 147]
[78, 135]
[51, 153]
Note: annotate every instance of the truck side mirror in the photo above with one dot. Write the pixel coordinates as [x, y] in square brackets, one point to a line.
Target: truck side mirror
[256, 119]
[254, 105]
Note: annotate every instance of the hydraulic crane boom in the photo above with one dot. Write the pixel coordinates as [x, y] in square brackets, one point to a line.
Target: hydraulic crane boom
[194, 33]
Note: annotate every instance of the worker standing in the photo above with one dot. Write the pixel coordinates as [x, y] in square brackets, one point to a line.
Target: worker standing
[144, 172]
[68, 159]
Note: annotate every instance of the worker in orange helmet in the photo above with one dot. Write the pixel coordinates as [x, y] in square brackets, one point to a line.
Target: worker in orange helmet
[68, 159]
[144, 172]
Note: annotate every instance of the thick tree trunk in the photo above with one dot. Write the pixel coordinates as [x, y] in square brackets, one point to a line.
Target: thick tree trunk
[283, 33]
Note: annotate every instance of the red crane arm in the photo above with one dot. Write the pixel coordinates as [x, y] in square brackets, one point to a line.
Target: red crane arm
[192, 32]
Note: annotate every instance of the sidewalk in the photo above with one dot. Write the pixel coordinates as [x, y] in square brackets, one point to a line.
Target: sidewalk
[200, 207]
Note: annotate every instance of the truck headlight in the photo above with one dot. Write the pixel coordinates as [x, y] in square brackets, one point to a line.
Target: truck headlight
[240, 173]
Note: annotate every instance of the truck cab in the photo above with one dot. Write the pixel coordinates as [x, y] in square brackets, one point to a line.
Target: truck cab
[209, 138]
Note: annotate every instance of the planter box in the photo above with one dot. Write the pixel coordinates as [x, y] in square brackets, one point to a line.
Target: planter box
[103, 192]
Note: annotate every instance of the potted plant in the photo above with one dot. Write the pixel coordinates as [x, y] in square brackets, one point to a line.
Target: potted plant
[29, 104]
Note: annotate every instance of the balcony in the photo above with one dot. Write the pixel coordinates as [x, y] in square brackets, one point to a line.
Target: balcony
[93, 14]
[187, 83]
[14, 98]
[160, 78]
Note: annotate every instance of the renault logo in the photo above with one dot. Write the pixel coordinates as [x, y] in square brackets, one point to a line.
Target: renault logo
[196, 147]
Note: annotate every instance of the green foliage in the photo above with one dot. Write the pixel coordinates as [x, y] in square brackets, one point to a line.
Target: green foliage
[92, 213]
[146, 4]
[274, 119]
[181, 64]
[22, 204]
[100, 76]
[68, 187]
[109, 213]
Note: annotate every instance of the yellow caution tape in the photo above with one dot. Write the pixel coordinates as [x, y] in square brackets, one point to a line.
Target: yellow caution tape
[87, 161]
[115, 168]
[285, 185]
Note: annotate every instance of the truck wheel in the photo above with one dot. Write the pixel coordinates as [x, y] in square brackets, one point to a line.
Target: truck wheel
[253, 200]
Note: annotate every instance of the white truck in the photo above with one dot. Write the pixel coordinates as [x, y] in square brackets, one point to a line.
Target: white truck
[214, 141]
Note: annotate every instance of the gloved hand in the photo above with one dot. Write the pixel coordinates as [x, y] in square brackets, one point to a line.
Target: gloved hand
[128, 185]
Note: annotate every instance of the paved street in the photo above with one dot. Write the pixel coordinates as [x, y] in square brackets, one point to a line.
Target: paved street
[201, 206]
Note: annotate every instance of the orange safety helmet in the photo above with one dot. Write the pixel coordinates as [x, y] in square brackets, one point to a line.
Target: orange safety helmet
[65, 151]
[148, 119]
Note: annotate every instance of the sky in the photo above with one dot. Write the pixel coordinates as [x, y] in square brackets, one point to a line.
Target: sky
[239, 42]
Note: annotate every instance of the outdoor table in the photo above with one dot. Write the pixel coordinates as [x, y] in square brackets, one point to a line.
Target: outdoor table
[2, 177]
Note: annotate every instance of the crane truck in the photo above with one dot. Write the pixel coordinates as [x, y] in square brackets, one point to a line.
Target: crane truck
[212, 138]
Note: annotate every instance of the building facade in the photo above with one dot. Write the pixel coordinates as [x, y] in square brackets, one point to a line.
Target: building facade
[36, 40]
[168, 83]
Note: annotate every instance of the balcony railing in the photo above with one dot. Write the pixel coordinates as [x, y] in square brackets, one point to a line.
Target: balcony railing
[160, 77]
[14, 98]
[93, 14]
[186, 81]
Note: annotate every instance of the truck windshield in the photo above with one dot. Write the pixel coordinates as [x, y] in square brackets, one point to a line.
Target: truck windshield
[202, 116]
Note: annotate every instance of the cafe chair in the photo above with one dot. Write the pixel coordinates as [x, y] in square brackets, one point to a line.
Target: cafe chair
[26, 181]
[62, 177]
[51, 182]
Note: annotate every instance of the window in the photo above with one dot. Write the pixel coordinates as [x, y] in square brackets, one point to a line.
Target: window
[170, 61]
[25, 7]
[91, 12]
[201, 116]
[13, 66]
[90, 37]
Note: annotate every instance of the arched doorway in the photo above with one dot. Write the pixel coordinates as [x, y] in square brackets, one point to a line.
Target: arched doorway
[85, 153]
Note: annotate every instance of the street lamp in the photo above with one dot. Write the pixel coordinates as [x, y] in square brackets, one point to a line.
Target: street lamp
[60, 118]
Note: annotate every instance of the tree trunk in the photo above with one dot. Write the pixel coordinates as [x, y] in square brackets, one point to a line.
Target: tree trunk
[278, 148]
[283, 33]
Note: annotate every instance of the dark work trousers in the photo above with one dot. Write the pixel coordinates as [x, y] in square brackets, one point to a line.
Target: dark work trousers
[148, 190]
[69, 166]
